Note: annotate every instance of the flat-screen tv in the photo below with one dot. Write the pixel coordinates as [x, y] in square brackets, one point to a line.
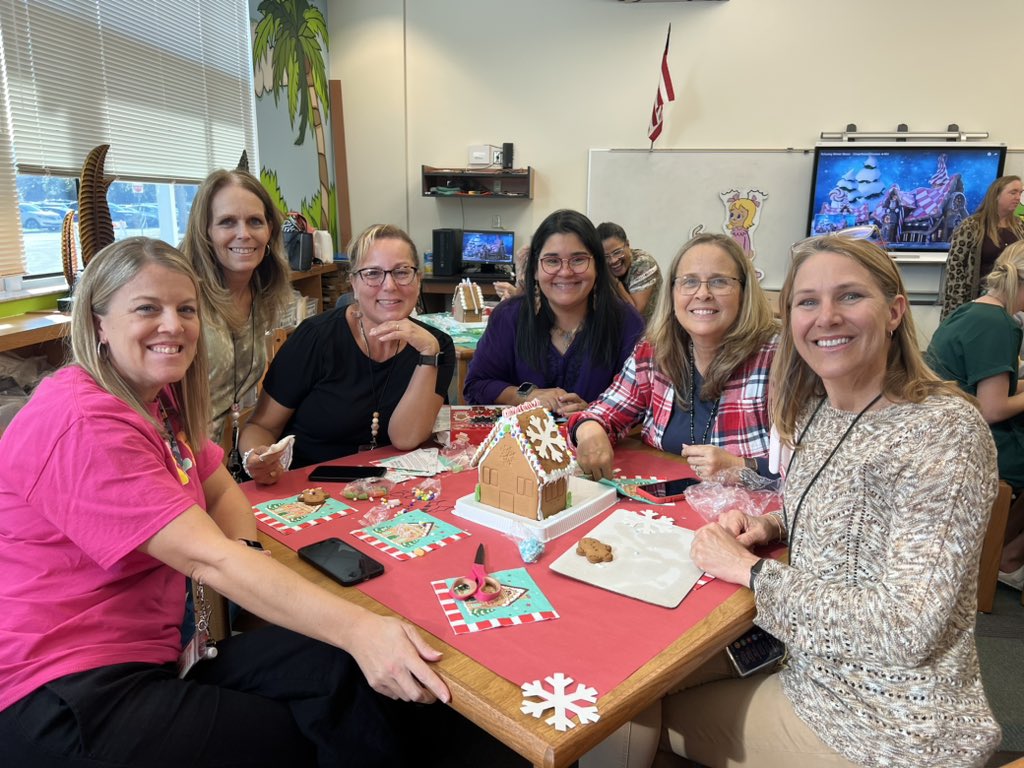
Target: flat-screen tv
[486, 249]
[914, 194]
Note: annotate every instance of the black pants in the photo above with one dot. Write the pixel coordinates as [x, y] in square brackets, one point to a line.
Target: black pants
[270, 698]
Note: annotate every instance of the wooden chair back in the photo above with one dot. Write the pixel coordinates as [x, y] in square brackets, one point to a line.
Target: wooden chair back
[992, 548]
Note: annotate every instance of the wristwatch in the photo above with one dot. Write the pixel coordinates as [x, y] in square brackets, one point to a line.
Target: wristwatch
[432, 360]
[525, 389]
[754, 570]
[252, 543]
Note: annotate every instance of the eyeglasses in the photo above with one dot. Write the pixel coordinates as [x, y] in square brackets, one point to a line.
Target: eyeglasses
[374, 276]
[617, 255]
[553, 265]
[720, 286]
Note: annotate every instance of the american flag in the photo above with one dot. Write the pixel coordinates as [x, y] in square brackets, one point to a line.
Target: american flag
[665, 93]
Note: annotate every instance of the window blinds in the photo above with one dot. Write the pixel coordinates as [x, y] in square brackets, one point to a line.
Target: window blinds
[167, 83]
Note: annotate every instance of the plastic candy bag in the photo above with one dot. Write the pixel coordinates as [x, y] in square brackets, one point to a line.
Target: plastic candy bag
[367, 488]
[530, 547]
[457, 455]
[721, 493]
[428, 490]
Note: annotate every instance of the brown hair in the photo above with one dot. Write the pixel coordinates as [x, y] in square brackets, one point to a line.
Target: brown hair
[755, 325]
[793, 383]
[988, 212]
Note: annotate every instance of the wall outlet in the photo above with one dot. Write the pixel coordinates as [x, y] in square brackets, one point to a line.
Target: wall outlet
[495, 156]
[496, 221]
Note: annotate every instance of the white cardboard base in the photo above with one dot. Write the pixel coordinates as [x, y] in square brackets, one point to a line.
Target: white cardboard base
[589, 500]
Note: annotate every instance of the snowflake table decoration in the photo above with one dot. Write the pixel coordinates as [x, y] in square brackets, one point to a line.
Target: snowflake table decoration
[561, 702]
[647, 521]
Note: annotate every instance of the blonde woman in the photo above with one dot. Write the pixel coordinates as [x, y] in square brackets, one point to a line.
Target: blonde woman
[698, 384]
[977, 347]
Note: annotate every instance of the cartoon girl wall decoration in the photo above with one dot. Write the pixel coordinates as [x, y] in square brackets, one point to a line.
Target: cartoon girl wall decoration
[742, 215]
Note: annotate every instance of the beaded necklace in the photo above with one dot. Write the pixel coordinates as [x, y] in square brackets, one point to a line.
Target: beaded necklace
[234, 465]
[693, 405]
[375, 419]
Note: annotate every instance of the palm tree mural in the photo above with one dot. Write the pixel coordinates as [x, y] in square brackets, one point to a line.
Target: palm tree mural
[290, 32]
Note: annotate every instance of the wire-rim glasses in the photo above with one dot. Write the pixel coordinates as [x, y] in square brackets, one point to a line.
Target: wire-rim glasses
[719, 285]
[552, 265]
[375, 276]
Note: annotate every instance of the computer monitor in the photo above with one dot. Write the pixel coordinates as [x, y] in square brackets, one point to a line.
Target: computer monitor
[915, 194]
[487, 250]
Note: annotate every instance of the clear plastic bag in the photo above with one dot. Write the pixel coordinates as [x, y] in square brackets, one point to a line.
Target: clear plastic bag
[741, 489]
[367, 488]
[530, 547]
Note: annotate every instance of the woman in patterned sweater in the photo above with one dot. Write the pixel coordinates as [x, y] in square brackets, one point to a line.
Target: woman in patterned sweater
[699, 382]
[890, 480]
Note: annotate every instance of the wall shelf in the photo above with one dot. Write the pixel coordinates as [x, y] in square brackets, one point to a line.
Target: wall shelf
[492, 183]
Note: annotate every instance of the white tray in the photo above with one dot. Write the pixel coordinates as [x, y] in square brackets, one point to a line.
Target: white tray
[650, 564]
[589, 500]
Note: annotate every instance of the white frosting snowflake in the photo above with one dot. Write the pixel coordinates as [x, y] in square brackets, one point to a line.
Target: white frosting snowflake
[646, 521]
[545, 439]
[560, 701]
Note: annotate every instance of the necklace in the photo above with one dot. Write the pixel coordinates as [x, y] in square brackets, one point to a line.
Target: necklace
[800, 503]
[234, 464]
[375, 419]
[693, 405]
[566, 336]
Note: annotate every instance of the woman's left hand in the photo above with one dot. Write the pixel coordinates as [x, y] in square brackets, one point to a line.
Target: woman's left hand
[708, 459]
[415, 336]
[716, 551]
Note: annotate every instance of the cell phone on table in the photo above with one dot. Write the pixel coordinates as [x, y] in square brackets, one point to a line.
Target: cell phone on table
[335, 473]
[667, 492]
[755, 650]
[342, 562]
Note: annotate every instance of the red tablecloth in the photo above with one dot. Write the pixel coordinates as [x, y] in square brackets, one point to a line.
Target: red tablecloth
[601, 637]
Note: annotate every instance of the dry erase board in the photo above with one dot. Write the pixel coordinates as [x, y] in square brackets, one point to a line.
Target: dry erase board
[1014, 163]
[659, 197]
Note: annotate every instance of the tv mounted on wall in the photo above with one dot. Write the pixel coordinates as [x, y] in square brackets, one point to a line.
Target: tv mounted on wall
[914, 194]
[487, 250]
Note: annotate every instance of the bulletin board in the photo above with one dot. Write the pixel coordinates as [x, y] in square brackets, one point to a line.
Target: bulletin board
[660, 196]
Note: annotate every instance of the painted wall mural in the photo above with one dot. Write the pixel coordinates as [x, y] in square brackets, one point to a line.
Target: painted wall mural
[290, 43]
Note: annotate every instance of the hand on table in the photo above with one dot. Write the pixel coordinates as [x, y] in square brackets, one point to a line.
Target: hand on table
[558, 401]
[716, 550]
[750, 530]
[594, 451]
[394, 659]
[708, 459]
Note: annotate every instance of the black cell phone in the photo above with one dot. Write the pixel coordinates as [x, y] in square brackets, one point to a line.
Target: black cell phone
[335, 473]
[755, 650]
[670, 490]
[342, 562]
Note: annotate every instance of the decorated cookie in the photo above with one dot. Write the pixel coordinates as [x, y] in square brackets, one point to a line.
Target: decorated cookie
[595, 551]
[314, 496]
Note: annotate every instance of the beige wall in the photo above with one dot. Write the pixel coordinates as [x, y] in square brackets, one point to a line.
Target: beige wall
[424, 79]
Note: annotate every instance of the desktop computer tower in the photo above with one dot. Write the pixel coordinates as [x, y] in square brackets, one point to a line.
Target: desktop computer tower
[447, 252]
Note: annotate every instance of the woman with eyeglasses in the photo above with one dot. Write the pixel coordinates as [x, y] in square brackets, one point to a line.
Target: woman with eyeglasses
[637, 275]
[698, 383]
[357, 377]
[566, 336]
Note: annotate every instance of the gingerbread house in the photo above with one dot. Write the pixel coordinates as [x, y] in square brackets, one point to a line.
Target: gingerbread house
[524, 464]
[468, 303]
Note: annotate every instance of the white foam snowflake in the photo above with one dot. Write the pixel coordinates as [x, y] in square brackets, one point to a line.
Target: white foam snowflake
[544, 437]
[647, 521]
[560, 701]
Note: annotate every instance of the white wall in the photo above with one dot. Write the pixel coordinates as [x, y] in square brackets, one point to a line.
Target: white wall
[424, 79]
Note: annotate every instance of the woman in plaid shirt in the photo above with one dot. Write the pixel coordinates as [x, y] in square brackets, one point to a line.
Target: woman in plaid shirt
[698, 383]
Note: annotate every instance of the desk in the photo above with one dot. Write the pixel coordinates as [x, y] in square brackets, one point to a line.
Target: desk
[493, 702]
[20, 332]
[436, 292]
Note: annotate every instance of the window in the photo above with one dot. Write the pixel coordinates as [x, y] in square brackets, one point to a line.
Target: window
[167, 85]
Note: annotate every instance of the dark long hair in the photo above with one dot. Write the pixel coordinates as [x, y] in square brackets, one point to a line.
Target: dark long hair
[601, 336]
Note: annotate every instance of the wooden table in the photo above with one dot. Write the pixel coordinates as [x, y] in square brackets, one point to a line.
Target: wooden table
[493, 702]
[20, 332]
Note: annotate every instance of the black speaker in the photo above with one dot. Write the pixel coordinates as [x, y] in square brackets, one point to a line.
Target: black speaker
[506, 155]
[447, 252]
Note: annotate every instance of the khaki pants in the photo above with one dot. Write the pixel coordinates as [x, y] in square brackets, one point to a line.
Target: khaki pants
[728, 721]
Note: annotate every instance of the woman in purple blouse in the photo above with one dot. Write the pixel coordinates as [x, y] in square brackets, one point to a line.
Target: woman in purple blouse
[564, 340]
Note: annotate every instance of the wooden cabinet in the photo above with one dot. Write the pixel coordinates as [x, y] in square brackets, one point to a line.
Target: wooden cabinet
[324, 282]
[495, 183]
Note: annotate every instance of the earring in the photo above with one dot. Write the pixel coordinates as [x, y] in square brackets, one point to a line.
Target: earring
[101, 350]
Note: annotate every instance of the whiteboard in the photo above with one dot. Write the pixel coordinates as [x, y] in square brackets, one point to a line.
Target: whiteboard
[659, 196]
[1014, 163]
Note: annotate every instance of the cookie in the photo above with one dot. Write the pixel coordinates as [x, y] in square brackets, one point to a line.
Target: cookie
[314, 496]
[595, 551]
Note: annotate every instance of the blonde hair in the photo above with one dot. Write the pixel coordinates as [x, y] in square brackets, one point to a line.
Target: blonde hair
[755, 325]
[1004, 280]
[270, 280]
[109, 271]
[747, 207]
[360, 245]
[793, 383]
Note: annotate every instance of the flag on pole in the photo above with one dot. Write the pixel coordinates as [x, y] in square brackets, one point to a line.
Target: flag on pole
[665, 93]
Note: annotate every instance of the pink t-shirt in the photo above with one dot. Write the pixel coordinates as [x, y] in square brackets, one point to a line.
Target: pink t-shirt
[85, 481]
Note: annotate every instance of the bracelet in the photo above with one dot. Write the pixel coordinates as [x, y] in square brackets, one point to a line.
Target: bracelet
[245, 459]
[778, 522]
[252, 543]
[577, 425]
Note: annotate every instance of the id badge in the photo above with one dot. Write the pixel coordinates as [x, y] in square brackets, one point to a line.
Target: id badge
[197, 649]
